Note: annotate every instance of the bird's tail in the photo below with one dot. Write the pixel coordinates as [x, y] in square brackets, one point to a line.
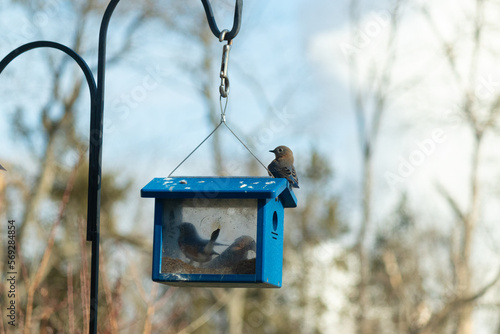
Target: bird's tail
[219, 244]
[209, 248]
[214, 236]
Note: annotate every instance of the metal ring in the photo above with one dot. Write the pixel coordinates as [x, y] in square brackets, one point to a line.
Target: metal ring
[222, 35]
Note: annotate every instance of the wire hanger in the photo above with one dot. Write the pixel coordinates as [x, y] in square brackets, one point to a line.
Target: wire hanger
[228, 36]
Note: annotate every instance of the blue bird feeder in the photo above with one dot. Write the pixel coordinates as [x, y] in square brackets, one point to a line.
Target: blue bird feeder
[219, 231]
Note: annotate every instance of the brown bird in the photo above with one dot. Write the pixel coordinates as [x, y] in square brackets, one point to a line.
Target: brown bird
[282, 165]
[237, 252]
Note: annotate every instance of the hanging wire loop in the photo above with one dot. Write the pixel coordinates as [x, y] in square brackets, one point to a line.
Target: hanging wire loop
[213, 25]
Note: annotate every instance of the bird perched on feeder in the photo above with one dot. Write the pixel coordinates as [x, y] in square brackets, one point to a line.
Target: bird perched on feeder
[194, 247]
[282, 165]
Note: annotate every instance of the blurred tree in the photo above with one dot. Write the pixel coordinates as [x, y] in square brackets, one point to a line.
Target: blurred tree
[414, 277]
[371, 89]
[397, 268]
[480, 115]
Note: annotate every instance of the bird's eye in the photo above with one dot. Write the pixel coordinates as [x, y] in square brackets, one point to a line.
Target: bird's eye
[280, 150]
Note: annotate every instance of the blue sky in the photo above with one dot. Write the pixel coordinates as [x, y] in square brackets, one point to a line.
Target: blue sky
[153, 113]
[291, 50]
[272, 47]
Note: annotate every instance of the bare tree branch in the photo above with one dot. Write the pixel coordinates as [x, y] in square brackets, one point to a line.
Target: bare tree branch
[451, 201]
[441, 316]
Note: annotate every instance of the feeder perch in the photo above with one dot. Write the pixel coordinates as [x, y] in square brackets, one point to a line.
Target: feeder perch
[219, 231]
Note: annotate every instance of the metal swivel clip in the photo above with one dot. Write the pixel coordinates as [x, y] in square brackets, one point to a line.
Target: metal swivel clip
[224, 80]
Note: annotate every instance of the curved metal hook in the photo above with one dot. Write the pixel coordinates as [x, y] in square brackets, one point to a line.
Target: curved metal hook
[48, 44]
[94, 178]
[213, 25]
[95, 143]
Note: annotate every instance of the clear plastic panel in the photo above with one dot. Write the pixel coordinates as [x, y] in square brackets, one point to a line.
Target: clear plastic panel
[209, 236]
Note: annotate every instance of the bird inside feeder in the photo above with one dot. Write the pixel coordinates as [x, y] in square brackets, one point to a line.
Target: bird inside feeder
[209, 236]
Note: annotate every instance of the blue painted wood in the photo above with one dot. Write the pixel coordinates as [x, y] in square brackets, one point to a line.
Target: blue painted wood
[273, 196]
[157, 240]
[220, 187]
[214, 281]
[259, 255]
[272, 242]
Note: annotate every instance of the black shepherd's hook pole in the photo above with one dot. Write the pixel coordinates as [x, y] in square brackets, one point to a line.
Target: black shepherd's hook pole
[95, 142]
[96, 128]
[95, 163]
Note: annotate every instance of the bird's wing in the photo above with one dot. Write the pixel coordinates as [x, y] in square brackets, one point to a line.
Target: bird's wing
[273, 168]
[294, 179]
[287, 172]
[290, 174]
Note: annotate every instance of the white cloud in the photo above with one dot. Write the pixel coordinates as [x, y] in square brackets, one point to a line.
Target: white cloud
[431, 94]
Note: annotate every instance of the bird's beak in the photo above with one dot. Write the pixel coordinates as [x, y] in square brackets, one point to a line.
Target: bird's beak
[272, 151]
